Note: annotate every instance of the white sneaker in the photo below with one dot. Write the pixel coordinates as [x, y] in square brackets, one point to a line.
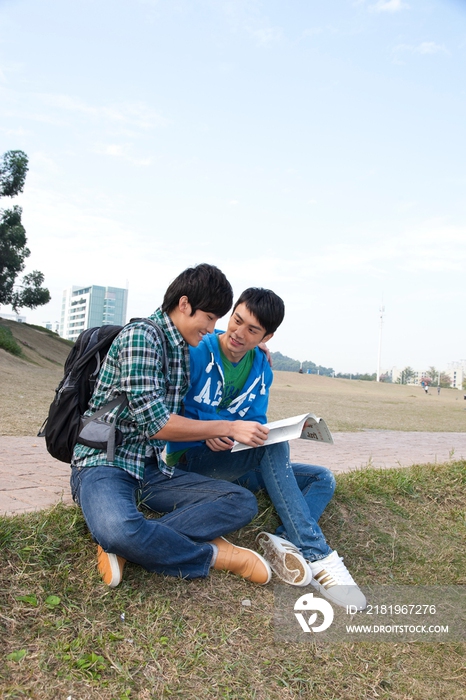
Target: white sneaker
[285, 559]
[333, 580]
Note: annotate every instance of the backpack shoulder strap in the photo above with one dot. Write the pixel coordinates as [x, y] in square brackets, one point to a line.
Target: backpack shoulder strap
[163, 339]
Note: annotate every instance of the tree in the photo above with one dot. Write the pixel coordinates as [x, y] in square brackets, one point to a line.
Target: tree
[13, 249]
[445, 380]
[287, 364]
[13, 173]
[406, 375]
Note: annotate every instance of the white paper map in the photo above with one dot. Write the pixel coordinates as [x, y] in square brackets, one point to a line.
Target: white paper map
[307, 427]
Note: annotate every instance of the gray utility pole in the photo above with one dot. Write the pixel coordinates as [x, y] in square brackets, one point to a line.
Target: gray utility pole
[381, 311]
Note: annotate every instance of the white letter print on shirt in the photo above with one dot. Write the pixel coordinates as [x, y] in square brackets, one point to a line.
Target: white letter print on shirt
[204, 394]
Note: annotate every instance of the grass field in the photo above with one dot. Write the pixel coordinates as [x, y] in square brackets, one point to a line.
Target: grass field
[349, 405]
[27, 389]
[64, 634]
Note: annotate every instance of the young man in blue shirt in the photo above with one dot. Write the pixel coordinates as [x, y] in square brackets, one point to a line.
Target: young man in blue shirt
[230, 380]
[187, 540]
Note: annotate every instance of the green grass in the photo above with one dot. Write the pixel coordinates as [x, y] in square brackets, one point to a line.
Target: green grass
[63, 633]
[9, 343]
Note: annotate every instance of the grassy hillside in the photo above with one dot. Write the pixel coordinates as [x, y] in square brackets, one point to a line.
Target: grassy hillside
[28, 382]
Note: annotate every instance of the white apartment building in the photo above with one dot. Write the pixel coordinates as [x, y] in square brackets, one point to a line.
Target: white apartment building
[85, 307]
[456, 371]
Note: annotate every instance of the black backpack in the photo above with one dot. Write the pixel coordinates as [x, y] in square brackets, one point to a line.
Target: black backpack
[64, 425]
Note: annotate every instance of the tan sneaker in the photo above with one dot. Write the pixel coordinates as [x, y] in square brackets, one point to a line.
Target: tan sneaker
[110, 567]
[241, 561]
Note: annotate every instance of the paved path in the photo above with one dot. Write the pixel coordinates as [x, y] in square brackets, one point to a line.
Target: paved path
[31, 479]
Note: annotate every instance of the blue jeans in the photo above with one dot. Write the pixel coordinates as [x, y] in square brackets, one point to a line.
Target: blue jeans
[197, 510]
[299, 492]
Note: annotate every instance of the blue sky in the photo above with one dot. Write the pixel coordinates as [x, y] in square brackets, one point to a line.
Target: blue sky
[314, 147]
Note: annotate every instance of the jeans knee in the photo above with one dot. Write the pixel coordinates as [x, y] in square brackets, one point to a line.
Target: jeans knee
[120, 533]
[246, 502]
[278, 450]
[330, 481]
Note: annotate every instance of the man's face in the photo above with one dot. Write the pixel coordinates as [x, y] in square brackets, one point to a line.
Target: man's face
[194, 328]
[243, 333]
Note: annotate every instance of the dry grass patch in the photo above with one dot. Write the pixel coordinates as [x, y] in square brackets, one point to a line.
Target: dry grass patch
[349, 405]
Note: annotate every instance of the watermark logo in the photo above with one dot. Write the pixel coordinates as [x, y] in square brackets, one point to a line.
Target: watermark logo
[393, 613]
[308, 603]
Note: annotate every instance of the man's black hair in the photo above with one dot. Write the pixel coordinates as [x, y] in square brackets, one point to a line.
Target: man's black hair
[266, 306]
[206, 287]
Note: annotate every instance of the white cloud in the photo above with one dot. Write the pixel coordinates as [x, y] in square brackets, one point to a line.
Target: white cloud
[136, 114]
[14, 132]
[430, 47]
[266, 35]
[313, 31]
[61, 109]
[123, 151]
[424, 48]
[431, 245]
[388, 6]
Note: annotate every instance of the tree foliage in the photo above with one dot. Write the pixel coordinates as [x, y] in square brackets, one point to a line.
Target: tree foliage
[13, 173]
[363, 377]
[287, 364]
[406, 374]
[445, 380]
[13, 250]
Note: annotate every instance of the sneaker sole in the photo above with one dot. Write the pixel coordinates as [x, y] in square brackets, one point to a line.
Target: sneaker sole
[286, 565]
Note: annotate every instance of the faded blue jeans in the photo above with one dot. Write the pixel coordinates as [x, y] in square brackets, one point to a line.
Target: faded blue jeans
[299, 492]
[196, 510]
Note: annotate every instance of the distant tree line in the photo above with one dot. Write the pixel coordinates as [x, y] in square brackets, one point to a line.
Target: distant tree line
[287, 364]
[364, 377]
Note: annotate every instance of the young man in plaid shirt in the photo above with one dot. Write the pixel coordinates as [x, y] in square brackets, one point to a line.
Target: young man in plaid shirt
[187, 540]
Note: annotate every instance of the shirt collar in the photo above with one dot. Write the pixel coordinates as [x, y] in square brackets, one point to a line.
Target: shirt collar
[174, 336]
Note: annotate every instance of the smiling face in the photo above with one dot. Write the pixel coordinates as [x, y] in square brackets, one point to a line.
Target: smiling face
[244, 332]
[192, 328]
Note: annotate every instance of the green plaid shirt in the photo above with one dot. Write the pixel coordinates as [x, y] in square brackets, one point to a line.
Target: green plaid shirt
[135, 365]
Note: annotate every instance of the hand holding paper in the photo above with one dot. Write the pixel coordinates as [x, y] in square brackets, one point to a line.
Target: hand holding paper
[306, 426]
